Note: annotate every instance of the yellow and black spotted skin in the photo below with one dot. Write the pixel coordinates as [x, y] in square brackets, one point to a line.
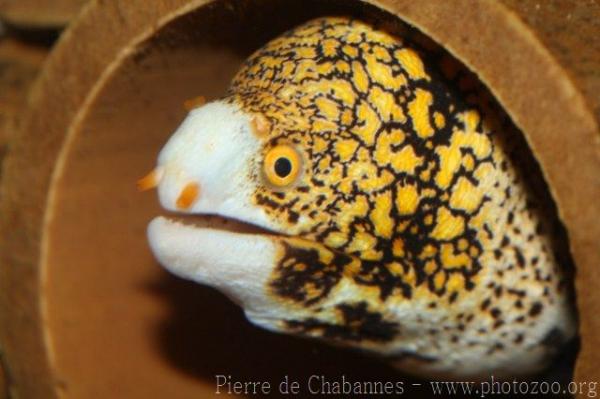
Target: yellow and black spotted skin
[401, 218]
[415, 235]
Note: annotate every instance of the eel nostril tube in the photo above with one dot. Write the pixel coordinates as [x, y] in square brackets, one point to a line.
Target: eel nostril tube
[151, 180]
[193, 103]
[188, 196]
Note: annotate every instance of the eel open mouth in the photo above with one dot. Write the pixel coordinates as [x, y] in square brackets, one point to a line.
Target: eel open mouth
[217, 222]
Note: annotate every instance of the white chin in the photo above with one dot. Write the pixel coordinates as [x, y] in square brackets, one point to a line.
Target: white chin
[238, 264]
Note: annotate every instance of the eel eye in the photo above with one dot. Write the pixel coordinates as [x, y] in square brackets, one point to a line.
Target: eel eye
[282, 165]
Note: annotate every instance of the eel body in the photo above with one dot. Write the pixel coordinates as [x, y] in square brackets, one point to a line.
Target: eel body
[393, 215]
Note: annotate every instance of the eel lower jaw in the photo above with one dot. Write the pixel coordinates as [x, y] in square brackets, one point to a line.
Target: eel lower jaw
[233, 257]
